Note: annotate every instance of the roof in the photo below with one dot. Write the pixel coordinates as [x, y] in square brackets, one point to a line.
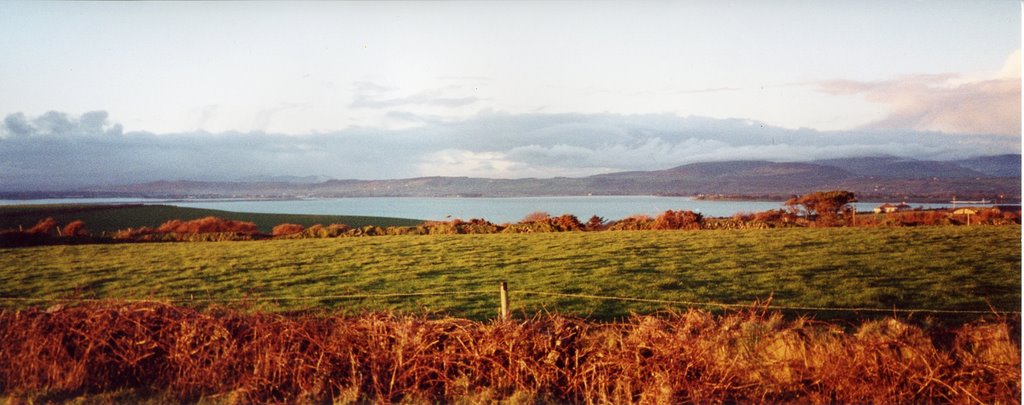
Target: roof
[900, 205]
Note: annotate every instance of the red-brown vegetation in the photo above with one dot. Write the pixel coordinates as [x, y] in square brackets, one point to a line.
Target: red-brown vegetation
[542, 222]
[830, 208]
[984, 216]
[537, 216]
[742, 217]
[995, 216]
[43, 227]
[774, 217]
[207, 225]
[134, 234]
[329, 231]
[669, 220]
[74, 229]
[287, 229]
[757, 220]
[295, 231]
[689, 357]
[917, 218]
[632, 223]
[208, 229]
[457, 227]
[566, 223]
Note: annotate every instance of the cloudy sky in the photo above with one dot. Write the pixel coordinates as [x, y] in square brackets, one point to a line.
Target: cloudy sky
[114, 92]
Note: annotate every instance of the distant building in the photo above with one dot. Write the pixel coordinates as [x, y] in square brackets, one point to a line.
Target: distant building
[886, 208]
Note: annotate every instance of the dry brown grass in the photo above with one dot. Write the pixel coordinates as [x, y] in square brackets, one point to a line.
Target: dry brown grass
[749, 356]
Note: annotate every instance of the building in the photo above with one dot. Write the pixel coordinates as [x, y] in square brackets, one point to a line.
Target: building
[886, 208]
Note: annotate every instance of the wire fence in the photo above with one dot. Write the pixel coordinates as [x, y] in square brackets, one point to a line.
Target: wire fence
[252, 298]
[772, 306]
[504, 301]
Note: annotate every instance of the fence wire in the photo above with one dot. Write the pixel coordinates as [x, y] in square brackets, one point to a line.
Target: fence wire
[771, 306]
[683, 303]
[252, 298]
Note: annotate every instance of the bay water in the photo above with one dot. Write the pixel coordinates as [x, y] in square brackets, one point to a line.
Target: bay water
[497, 210]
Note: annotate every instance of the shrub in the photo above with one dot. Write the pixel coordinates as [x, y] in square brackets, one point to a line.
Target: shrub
[134, 233]
[537, 216]
[595, 223]
[75, 229]
[287, 229]
[530, 227]
[720, 223]
[678, 220]
[776, 217]
[313, 232]
[43, 227]
[542, 222]
[632, 223]
[742, 217]
[406, 230]
[994, 216]
[478, 226]
[917, 218]
[207, 225]
[336, 230]
[566, 223]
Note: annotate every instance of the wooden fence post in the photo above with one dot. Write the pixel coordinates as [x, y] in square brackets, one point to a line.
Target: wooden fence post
[503, 315]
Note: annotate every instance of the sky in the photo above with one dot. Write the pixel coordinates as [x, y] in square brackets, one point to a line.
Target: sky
[119, 92]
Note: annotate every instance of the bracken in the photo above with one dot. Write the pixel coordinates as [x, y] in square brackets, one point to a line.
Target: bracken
[690, 357]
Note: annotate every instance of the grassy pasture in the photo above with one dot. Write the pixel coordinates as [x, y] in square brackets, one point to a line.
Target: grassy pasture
[966, 268]
[109, 218]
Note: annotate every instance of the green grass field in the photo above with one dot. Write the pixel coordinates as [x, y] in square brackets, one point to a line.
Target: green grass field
[964, 268]
[109, 218]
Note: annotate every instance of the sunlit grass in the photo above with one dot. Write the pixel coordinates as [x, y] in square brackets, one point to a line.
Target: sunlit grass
[929, 268]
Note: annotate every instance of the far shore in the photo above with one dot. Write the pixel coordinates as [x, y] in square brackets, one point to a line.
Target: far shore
[174, 198]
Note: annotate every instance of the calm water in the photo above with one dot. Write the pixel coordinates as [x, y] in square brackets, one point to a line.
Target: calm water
[496, 210]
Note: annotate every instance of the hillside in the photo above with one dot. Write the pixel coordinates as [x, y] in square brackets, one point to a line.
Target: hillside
[740, 177]
[110, 218]
[882, 178]
[899, 168]
[999, 166]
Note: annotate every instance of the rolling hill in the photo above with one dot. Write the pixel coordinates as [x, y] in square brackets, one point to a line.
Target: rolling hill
[881, 178]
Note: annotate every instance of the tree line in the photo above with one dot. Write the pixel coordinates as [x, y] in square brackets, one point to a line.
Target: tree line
[818, 209]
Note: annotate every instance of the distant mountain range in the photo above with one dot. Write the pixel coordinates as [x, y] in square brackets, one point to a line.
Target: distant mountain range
[871, 178]
[284, 179]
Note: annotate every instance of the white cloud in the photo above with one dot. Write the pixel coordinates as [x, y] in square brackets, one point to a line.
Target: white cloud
[58, 124]
[58, 150]
[373, 95]
[960, 104]
[457, 162]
